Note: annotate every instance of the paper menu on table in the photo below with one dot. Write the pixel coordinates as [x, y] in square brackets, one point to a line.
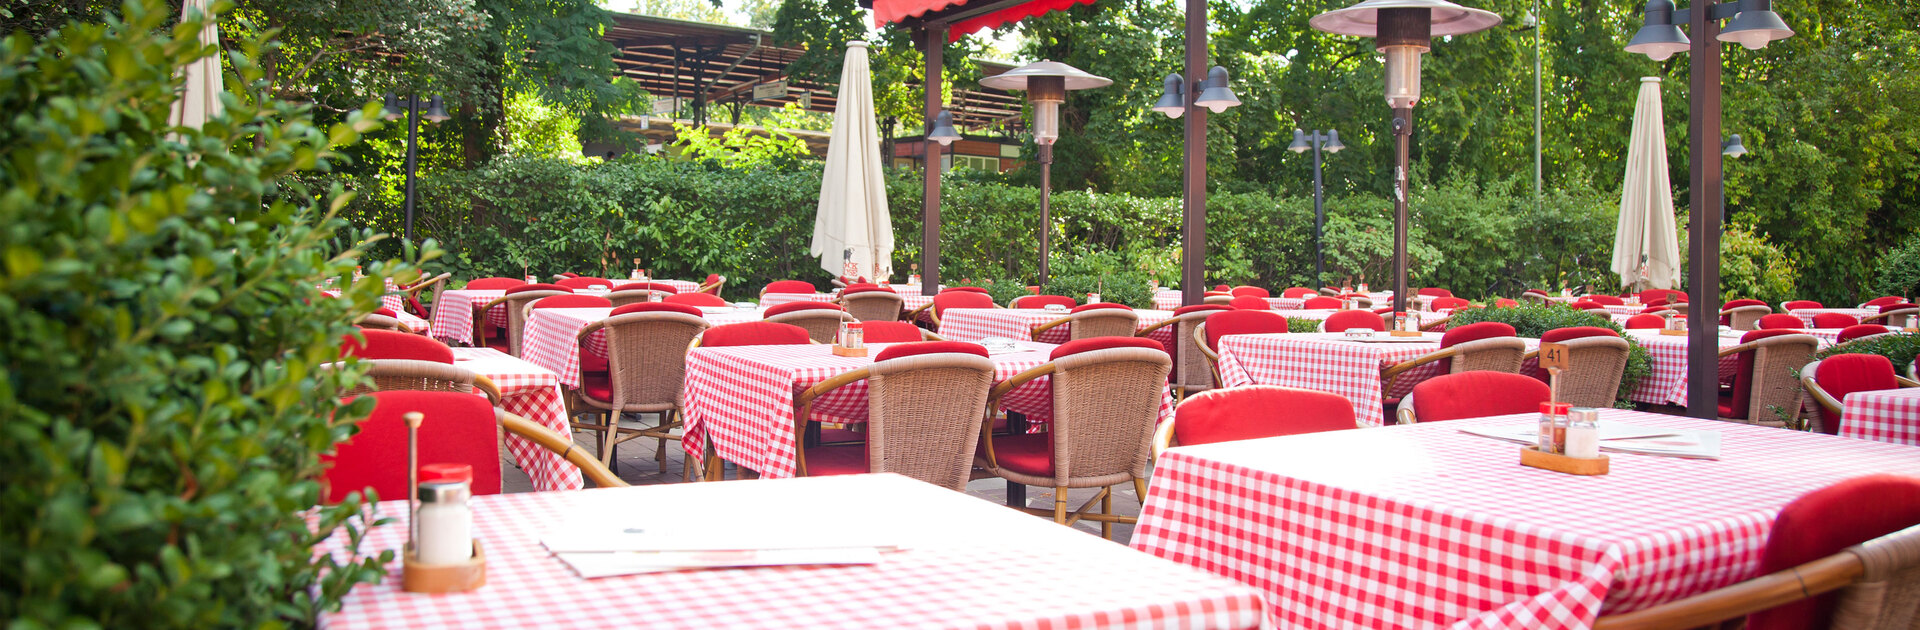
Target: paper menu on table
[609, 564]
[1623, 438]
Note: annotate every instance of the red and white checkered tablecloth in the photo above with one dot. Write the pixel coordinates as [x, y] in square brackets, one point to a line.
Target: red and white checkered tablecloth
[1806, 314]
[1321, 315]
[914, 302]
[551, 337]
[1328, 362]
[1667, 385]
[1425, 526]
[453, 313]
[974, 324]
[776, 299]
[1885, 416]
[1167, 299]
[391, 301]
[1022, 574]
[531, 392]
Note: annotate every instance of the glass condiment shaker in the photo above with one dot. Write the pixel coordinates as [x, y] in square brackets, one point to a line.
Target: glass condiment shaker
[1553, 427]
[446, 523]
[1583, 433]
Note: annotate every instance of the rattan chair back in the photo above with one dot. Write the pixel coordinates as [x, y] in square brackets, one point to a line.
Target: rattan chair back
[1102, 322]
[923, 416]
[380, 322]
[636, 296]
[1222, 300]
[1897, 318]
[1747, 317]
[646, 359]
[1774, 385]
[1105, 406]
[823, 326]
[1887, 595]
[1192, 374]
[874, 306]
[516, 305]
[1595, 367]
[1499, 354]
[421, 376]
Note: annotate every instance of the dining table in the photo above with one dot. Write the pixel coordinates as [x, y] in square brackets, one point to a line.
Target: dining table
[1888, 415]
[531, 392]
[1666, 384]
[974, 324]
[1806, 314]
[942, 572]
[1427, 526]
[453, 313]
[776, 299]
[551, 337]
[1334, 363]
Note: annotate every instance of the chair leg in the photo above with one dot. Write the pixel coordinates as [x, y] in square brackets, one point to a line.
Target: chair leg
[609, 438]
[1060, 505]
[1140, 491]
[1106, 507]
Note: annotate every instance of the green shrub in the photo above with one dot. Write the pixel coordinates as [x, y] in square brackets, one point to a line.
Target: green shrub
[1900, 270]
[1302, 325]
[1750, 266]
[1533, 320]
[161, 402]
[1900, 348]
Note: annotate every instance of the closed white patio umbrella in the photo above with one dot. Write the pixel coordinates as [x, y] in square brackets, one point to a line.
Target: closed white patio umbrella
[1646, 243]
[853, 227]
[201, 98]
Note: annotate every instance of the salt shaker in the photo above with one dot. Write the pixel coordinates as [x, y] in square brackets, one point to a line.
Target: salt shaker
[1583, 433]
[446, 523]
[856, 337]
[1093, 298]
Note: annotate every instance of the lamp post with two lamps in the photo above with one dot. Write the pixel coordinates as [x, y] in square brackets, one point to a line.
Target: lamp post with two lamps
[939, 130]
[1328, 141]
[1046, 84]
[409, 106]
[1177, 100]
[1753, 25]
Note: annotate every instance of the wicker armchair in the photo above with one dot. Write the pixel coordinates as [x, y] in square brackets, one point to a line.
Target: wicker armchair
[1234, 323]
[1222, 300]
[1765, 380]
[437, 284]
[1498, 354]
[1105, 404]
[823, 325]
[715, 282]
[421, 376]
[1856, 373]
[922, 414]
[646, 369]
[1098, 322]
[381, 322]
[1191, 370]
[1899, 317]
[954, 298]
[874, 306]
[516, 304]
[1597, 363]
[635, 296]
[1746, 317]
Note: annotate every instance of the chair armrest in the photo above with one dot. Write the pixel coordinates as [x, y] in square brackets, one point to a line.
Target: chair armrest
[1741, 598]
[1387, 375]
[803, 408]
[928, 335]
[551, 441]
[1821, 396]
[1162, 438]
[1738, 348]
[486, 386]
[1905, 382]
[1437, 324]
[1043, 327]
[1213, 358]
[1157, 326]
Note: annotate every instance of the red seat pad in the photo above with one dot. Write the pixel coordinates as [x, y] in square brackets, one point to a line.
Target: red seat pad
[837, 459]
[391, 344]
[1298, 292]
[1242, 323]
[656, 307]
[585, 282]
[1250, 303]
[1506, 303]
[695, 299]
[1091, 344]
[572, 301]
[459, 428]
[1025, 453]
[1778, 321]
[1851, 333]
[1445, 303]
[754, 334]
[1823, 523]
[1646, 321]
[1793, 304]
[1246, 291]
[1343, 320]
[538, 287]
[1833, 320]
[1843, 374]
[1244, 413]
[1585, 304]
[964, 290]
[494, 284]
[646, 286]
[1099, 305]
[790, 286]
[1319, 303]
[889, 332]
[790, 307]
[960, 299]
[1607, 300]
[1435, 292]
[1195, 308]
[1476, 394]
[1735, 404]
[1471, 332]
[930, 347]
[1884, 300]
[1576, 332]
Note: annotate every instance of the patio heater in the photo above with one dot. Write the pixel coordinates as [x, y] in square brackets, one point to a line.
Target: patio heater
[1328, 141]
[1404, 30]
[1753, 25]
[1046, 84]
[409, 106]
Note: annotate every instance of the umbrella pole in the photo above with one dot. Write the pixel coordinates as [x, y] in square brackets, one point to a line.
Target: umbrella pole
[1402, 142]
[1046, 192]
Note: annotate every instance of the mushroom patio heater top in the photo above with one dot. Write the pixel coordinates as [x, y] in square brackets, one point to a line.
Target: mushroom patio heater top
[1404, 29]
[1046, 84]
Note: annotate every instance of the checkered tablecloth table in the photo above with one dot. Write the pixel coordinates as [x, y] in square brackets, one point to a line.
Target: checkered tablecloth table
[531, 392]
[1167, 299]
[1425, 526]
[1885, 416]
[776, 299]
[974, 324]
[1806, 314]
[966, 563]
[551, 339]
[391, 301]
[453, 313]
[1328, 362]
[1321, 315]
[1667, 385]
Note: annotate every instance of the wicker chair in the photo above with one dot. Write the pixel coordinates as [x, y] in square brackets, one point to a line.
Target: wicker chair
[1499, 353]
[454, 430]
[788, 286]
[1098, 322]
[1233, 323]
[1041, 301]
[715, 282]
[437, 284]
[822, 324]
[922, 419]
[1105, 404]
[1190, 372]
[421, 376]
[377, 321]
[516, 304]
[623, 297]
[1895, 315]
[1597, 358]
[1765, 380]
[1846, 374]
[1745, 317]
[874, 306]
[646, 368]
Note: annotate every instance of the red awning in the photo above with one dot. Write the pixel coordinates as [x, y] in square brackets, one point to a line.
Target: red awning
[895, 11]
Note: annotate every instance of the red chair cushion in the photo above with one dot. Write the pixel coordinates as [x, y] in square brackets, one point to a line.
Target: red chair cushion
[1793, 304]
[494, 284]
[1251, 303]
[1298, 292]
[889, 332]
[1607, 300]
[1091, 344]
[801, 306]
[1834, 320]
[964, 290]
[1776, 321]
[1447, 303]
[1257, 411]
[1341, 321]
[646, 286]
[837, 459]
[459, 429]
[392, 344]
[1195, 308]
[657, 307]
[538, 287]
[1898, 306]
[585, 282]
[1243, 291]
[1585, 305]
[695, 299]
[1884, 300]
[754, 334]
[1506, 303]
[1851, 333]
[1025, 453]
[960, 299]
[1843, 374]
[790, 286]
[597, 385]
[1457, 335]
[1534, 292]
[1043, 301]
[1575, 332]
[572, 301]
[1320, 303]
[930, 347]
[1476, 394]
[1823, 523]
[1646, 321]
[1435, 292]
[1098, 305]
[1740, 303]
[866, 288]
[1736, 404]
[1243, 323]
[712, 278]
[569, 274]
[384, 312]
[1223, 288]
[1216, 293]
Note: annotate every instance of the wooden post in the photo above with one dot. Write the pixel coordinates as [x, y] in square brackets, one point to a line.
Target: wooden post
[1703, 263]
[934, 39]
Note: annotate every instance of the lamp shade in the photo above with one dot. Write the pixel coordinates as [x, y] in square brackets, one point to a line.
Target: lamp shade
[1333, 142]
[1215, 94]
[1172, 97]
[1733, 148]
[1299, 144]
[1756, 25]
[943, 131]
[1363, 19]
[393, 110]
[436, 112]
[1019, 78]
[1659, 38]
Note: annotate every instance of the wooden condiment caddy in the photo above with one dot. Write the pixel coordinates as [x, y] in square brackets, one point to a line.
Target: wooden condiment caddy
[843, 351]
[443, 578]
[1405, 333]
[1553, 358]
[1673, 333]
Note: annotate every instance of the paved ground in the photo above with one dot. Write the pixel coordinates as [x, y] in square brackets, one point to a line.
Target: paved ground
[636, 465]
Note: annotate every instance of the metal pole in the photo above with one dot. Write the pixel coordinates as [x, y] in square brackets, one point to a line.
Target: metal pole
[1402, 145]
[1319, 218]
[1193, 279]
[413, 141]
[1046, 225]
[1539, 24]
[935, 43]
[1703, 263]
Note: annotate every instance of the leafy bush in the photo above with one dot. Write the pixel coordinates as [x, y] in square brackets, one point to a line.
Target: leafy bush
[1302, 325]
[1900, 348]
[1900, 270]
[1533, 320]
[1751, 267]
[160, 401]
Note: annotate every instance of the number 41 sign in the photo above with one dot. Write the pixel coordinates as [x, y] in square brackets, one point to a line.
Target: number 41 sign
[1553, 356]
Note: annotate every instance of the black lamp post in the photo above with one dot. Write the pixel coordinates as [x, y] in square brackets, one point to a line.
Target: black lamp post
[409, 106]
[1404, 30]
[1328, 141]
[1754, 25]
[1177, 99]
[1046, 84]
